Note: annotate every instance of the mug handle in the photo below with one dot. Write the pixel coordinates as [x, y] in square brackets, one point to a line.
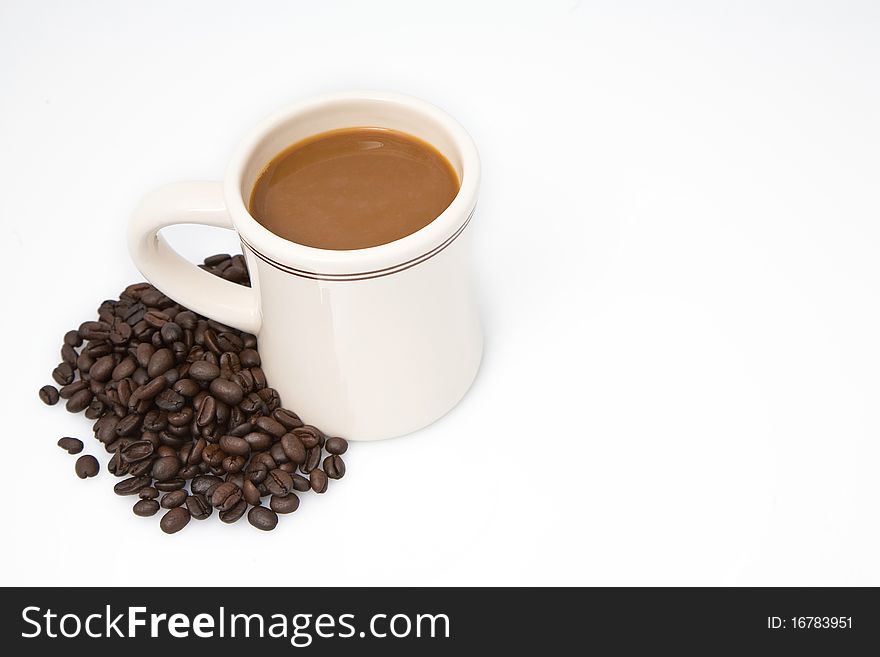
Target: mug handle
[189, 203]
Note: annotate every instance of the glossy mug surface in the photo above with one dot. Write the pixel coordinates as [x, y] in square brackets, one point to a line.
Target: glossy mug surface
[366, 344]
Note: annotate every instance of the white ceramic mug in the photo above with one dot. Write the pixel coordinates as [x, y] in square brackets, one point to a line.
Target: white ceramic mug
[365, 344]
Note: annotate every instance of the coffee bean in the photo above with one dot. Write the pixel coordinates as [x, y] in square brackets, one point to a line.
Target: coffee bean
[171, 333]
[186, 387]
[151, 389]
[102, 369]
[165, 468]
[279, 482]
[262, 518]
[202, 483]
[63, 374]
[72, 445]
[169, 401]
[155, 318]
[69, 355]
[289, 419]
[124, 369]
[336, 445]
[233, 445]
[309, 435]
[174, 520]
[250, 492]
[94, 330]
[313, 459]
[293, 448]
[49, 395]
[203, 370]
[198, 506]
[285, 504]
[271, 426]
[131, 486]
[145, 508]
[73, 338]
[86, 466]
[300, 483]
[170, 485]
[233, 464]
[233, 514]
[334, 466]
[160, 362]
[148, 493]
[226, 496]
[258, 441]
[79, 401]
[318, 480]
[173, 499]
[137, 451]
[249, 358]
[71, 389]
[227, 391]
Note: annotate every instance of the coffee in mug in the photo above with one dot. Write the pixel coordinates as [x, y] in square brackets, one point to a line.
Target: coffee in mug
[353, 188]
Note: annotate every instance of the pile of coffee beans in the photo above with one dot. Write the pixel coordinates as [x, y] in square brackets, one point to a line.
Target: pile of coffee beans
[183, 407]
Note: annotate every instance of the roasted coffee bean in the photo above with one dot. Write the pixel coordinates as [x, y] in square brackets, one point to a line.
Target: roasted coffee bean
[336, 445]
[150, 389]
[256, 472]
[258, 441]
[207, 411]
[156, 318]
[250, 492]
[187, 320]
[148, 493]
[181, 418]
[79, 401]
[300, 483]
[131, 486]
[271, 426]
[145, 508]
[170, 485]
[129, 424]
[174, 520]
[227, 391]
[202, 370]
[279, 482]
[102, 369]
[71, 389]
[235, 446]
[249, 358]
[49, 395]
[233, 464]
[169, 401]
[124, 369]
[202, 483]
[86, 466]
[198, 506]
[313, 458]
[334, 466]
[277, 453]
[289, 419]
[165, 468]
[226, 496]
[309, 435]
[318, 480]
[233, 514]
[160, 362]
[173, 499]
[73, 338]
[72, 445]
[263, 518]
[259, 379]
[69, 355]
[186, 387]
[171, 332]
[94, 330]
[288, 467]
[293, 448]
[137, 451]
[286, 504]
[63, 374]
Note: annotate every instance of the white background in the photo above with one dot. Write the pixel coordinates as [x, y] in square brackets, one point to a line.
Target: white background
[677, 245]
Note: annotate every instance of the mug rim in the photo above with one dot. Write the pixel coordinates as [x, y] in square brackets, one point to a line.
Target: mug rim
[374, 261]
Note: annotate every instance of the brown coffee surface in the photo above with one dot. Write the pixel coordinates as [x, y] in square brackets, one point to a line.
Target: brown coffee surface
[353, 188]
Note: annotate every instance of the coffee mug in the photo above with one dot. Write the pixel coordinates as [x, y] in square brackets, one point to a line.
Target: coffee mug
[366, 344]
